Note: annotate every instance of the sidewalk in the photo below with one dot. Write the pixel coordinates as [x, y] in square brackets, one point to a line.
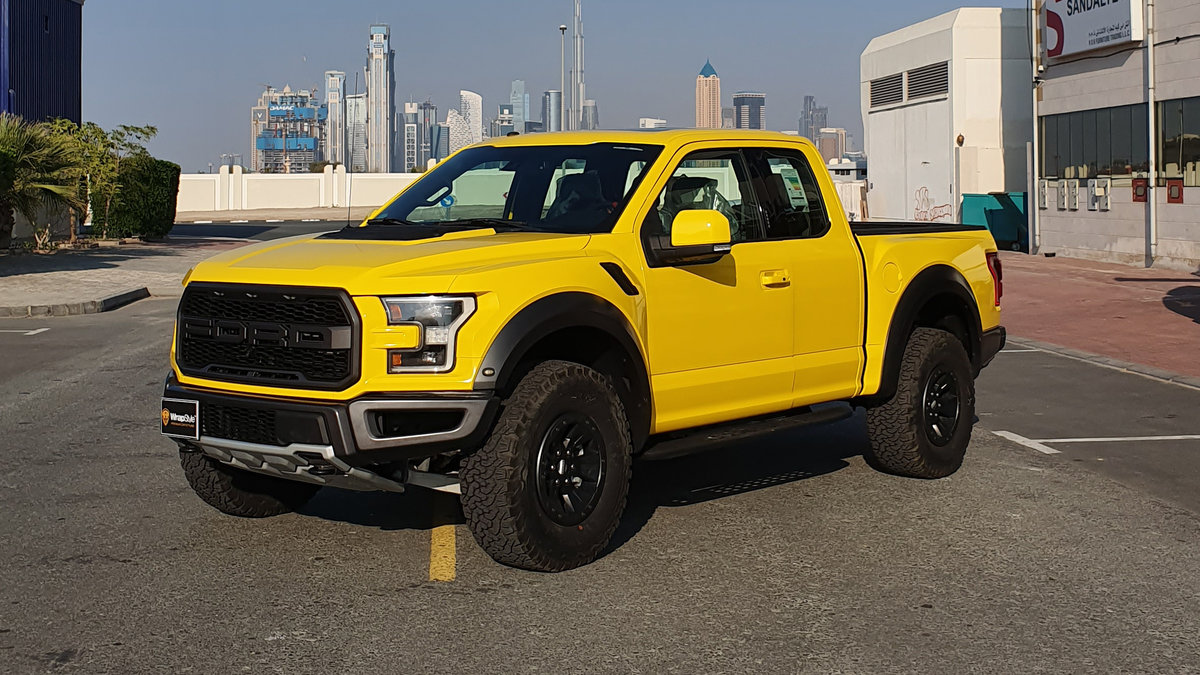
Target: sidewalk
[98, 279]
[1131, 314]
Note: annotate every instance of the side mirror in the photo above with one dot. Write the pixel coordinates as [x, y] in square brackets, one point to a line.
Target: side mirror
[698, 237]
[696, 227]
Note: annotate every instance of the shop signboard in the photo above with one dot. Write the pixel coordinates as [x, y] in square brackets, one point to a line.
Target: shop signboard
[1077, 26]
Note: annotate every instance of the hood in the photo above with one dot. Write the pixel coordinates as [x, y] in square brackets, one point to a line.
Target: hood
[372, 267]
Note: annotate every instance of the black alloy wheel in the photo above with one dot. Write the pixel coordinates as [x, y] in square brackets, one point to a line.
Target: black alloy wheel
[941, 409]
[570, 469]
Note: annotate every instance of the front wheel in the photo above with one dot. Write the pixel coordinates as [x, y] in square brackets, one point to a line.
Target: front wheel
[242, 493]
[923, 431]
[547, 490]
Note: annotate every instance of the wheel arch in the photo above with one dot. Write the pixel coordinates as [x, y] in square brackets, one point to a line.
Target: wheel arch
[577, 327]
[938, 297]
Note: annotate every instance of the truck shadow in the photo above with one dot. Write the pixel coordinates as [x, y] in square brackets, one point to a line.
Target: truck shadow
[738, 467]
[723, 470]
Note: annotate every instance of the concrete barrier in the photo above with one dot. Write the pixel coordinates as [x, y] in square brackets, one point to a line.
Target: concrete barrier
[235, 190]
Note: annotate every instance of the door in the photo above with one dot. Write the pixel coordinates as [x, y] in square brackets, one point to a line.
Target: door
[811, 233]
[720, 335]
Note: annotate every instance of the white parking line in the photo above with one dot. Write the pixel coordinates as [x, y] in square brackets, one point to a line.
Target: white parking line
[311, 220]
[1019, 351]
[27, 333]
[201, 222]
[1027, 442]
[239, 221]
[1114, 439]
[275, 221]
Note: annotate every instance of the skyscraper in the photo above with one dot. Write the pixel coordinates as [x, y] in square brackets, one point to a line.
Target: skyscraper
[813, 118]
[578, 87]
[708, 98]
[591, 115]
[520, 105]
[749, 110]
[335, 119]
[552, 110]
[411, 137]
[831, 143]
[427, 121]
[503, 124]
[381, 105]
[470, 107]
[356, 132]
[459, 128]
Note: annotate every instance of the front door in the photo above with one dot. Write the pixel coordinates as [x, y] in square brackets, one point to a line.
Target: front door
[720, 335]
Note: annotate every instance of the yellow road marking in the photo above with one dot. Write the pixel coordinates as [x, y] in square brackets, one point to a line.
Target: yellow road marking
[441, 553]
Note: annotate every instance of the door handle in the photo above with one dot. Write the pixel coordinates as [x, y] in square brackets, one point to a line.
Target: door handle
[775, 278]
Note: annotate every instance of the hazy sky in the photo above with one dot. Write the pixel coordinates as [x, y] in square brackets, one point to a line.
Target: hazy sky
[193, 68]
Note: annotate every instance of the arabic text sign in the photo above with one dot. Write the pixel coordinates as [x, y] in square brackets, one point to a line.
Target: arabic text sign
[1074, 26]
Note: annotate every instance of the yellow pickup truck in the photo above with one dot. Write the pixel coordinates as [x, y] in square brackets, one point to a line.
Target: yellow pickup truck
[537, 311]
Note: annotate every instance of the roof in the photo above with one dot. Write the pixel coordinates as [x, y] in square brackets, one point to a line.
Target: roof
[708, 70]
[645, 136]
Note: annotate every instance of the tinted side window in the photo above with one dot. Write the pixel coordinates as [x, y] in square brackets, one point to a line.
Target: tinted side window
[791, 198]
[714, 180]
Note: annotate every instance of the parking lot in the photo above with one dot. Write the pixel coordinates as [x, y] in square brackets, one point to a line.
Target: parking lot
[1068, 542]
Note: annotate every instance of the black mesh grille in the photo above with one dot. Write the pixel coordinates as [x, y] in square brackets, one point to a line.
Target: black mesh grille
[239, 424]
[269, 335]
[276, 307]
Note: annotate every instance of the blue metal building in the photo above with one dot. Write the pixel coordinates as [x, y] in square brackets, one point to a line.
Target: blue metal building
[41, 55]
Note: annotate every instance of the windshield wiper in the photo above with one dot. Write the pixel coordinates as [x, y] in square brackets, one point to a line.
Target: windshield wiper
[392, 221]
[497, 224]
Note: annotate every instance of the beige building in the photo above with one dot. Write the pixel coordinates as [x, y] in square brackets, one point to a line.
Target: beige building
[708, 98]
[831, 142]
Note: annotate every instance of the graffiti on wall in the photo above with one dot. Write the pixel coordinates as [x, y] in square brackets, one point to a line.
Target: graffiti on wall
[925, 210]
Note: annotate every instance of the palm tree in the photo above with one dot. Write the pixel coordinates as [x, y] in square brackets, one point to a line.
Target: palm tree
[38, 172]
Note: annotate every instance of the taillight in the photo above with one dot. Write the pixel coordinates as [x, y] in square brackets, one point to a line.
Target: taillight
[997, 270]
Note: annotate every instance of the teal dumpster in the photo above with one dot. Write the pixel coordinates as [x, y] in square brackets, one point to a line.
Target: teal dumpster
[1001, 212]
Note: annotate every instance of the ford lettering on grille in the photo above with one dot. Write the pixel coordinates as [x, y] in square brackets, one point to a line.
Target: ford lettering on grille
[282, 337]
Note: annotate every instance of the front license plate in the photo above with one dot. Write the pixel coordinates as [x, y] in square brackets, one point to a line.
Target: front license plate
[181, 418]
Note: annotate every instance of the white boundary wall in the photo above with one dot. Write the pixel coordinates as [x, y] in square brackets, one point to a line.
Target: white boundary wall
[235, 190]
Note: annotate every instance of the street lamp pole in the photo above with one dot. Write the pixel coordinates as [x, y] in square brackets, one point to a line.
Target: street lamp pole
[562, 76]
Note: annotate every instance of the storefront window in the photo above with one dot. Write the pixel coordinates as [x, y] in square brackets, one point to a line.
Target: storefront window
[1110, 142]
[1179, 141]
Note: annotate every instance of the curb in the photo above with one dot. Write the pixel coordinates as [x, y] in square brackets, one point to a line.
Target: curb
[75, 308]
[1189, 381]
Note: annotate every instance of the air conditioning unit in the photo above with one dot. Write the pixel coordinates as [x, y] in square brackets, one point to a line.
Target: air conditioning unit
[1061, 189]
[1041, 197]
[1073, 194]
[1091, 195]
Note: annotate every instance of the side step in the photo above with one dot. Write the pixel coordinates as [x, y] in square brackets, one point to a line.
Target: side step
[677, 444]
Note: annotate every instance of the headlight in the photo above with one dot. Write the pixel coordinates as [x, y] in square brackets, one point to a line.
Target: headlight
[436, 320]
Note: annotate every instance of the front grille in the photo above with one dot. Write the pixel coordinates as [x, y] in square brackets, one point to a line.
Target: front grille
[288, 337]
[239, 424]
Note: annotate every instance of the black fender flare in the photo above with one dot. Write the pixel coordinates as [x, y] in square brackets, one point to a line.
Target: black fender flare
[557, 312]
[927, 285]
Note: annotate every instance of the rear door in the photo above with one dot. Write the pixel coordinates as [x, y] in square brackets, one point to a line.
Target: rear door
[825, 267]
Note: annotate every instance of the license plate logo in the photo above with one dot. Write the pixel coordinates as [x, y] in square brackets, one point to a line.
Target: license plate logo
[181, 418]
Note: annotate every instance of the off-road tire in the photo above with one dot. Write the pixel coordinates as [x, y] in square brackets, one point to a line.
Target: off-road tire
[900, 443]
[242, 493]
[499, 490]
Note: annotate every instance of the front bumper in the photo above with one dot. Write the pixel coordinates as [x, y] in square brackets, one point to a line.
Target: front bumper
[363, 444]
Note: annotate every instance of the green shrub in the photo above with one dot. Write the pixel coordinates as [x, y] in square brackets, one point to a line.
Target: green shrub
[145, 202]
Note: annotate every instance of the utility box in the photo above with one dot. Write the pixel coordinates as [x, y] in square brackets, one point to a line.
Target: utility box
[1073, 194]
[1061, 193]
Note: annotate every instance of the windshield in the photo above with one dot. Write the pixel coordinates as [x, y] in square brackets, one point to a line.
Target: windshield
[569, 189]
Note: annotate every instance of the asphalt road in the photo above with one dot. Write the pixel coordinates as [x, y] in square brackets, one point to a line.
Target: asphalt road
[782, 554]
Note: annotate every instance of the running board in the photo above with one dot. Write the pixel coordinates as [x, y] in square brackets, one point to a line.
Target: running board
[677, 444]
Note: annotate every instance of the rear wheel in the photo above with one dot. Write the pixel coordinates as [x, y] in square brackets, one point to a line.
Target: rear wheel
[923, 431]
[242, 493]
[547, 490]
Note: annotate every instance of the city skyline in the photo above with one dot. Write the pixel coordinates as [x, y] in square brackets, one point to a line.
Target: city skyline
[435, 65]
